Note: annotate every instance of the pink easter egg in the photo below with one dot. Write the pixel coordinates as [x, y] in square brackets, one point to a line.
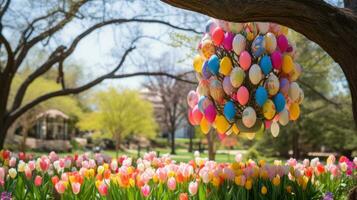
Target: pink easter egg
[283, 43]
[245, 60]
[243, 95]
[227, 41]
[267, 124]
[210, 113]
[276, 59]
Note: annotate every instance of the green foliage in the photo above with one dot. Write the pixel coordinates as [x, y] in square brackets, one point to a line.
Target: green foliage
[120, 114]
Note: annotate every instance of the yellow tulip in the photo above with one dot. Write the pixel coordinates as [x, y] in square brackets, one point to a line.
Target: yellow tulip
[248, 184]
[276, 181]
[264, 190]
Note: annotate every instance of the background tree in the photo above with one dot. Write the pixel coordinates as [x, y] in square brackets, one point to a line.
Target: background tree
[172, 95]
[120, 114]
[29, 25]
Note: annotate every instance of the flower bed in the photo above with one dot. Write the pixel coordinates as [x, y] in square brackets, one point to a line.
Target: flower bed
[151, 177]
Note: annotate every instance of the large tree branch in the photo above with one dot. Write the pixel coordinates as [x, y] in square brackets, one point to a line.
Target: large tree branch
[63, 92]
[323, 97]
[27, 45]
[176, 77]
[334, 29]
[3, 11]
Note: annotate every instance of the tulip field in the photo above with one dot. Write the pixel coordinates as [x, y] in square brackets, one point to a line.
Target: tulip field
[96, 176]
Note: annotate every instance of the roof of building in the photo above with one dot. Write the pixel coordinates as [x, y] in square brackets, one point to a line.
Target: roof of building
[53, 113]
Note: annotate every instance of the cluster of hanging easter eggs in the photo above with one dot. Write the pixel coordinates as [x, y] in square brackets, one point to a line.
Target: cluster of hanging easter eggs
[247, 79]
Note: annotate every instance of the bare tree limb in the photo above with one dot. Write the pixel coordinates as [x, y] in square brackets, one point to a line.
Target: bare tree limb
[323, 97]
[3, 11]
[176, 77]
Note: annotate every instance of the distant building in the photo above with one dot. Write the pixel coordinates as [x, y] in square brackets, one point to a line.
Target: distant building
[49, 132]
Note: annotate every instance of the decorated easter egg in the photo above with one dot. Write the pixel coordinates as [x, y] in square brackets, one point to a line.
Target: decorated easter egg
[210, 113]
[216, 90]
[192, 98]
[227, 85]
[263, 27]
[277, 60]
[283, 43]
[207, 49]
[261, 95]
[243, 95]
[294, 111]
[279, 102]
[235, 27]
[245, 60]
[274, 128]
[294, 91]
[249, 117]
[272, 84]
[265, 64]
[284, 117]
[255, 74]
[227, 41]
[205, 125]
[284, 86]
[225, 66]
[301, 96]
[270, 42]
[222, 125]
[196, 115]
[203, 87]
[238, 43]
[197, 63]
[213, 64]
[218, 36]
[269, 109]
[237, 77]
[229, 110]
[288, 64]
[258, 46]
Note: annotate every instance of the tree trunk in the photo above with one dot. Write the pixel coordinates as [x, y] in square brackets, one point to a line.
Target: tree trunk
[210, 141]
[173, 148]
[190, 132]
[117, 144]
[295, 142]
[334, 29]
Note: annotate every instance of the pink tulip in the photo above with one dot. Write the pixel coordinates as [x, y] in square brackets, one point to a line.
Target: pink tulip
[32, 165]
[2, 174]
[192, 188]
[171, 183]
[38, 180]
[103, 189]
[145, 190]
[76, 187]
[44, 164]
[28, 172]
[60, 188]
[12, 162]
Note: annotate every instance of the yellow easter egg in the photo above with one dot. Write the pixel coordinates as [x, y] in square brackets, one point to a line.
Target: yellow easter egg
[269, 109]
[225, 66]
[294, 111]
[207, 49]
[197, 63]
[288, 64]
[205, 125]
[222, 124]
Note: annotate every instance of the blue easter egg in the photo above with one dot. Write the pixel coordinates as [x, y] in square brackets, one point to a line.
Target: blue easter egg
[229, 110]
[258, 46]
[213, 65]
[266, 65]
[261, 95]
[200, 103]
[279, 102]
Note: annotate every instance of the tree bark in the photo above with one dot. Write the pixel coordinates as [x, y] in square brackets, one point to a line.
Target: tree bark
[210, 141]
[173, 148]
[334, 29]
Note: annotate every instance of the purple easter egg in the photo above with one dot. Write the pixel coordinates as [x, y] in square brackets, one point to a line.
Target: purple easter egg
[276, 59]
[227, 41]
[284, 86]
